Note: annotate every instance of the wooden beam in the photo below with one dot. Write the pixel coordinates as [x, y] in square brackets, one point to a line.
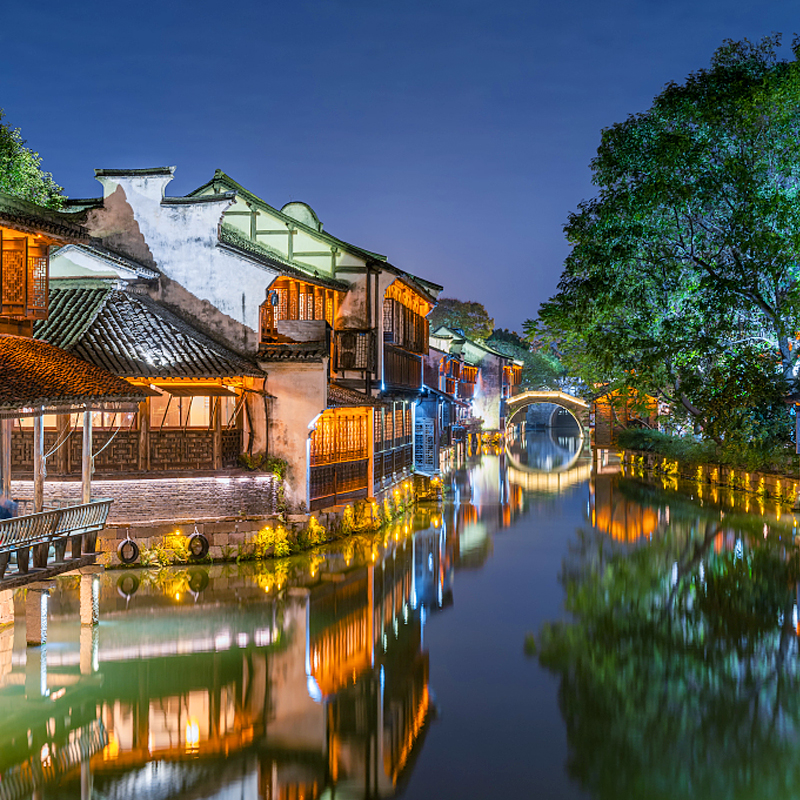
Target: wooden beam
[38, 462]
[86, 458]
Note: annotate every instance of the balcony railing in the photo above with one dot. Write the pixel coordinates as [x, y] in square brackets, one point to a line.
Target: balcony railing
[401, 369]
[51, 529]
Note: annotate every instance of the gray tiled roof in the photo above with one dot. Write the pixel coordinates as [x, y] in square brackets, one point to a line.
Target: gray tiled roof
[38, 374]
[31, 218]
[342, 397]
[132, 335]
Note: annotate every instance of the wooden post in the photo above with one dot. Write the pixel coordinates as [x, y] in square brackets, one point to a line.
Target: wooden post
[62, 454]
[144, 435]
[217, 441]
[86, 458]
[6, 427]
[38, 462]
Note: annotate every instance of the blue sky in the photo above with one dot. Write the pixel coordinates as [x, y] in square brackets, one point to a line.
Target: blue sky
[454, 137]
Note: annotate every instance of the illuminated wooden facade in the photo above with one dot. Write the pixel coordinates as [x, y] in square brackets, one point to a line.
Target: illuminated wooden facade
[616, 410]
[23, 278]
[27, 232]
[405, 336]
[292, 299]
[339, 455]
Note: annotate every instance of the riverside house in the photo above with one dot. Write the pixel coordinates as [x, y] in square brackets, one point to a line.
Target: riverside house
[38, 379]
[489, 377]
[338, 332]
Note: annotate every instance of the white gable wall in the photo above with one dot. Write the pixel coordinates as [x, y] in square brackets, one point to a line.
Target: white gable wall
[183, 240]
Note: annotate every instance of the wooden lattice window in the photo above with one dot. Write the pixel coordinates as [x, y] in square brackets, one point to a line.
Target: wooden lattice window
[340, 435]
[282, 309]
[23, 276]
[355, 350]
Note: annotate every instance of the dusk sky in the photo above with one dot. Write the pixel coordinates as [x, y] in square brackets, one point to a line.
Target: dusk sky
[454, 137]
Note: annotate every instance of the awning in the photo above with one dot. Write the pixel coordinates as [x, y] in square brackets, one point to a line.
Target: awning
[36, 374]
[197, 390]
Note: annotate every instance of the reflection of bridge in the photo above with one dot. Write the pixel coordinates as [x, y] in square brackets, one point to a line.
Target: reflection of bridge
[551, 482]
[577, 407]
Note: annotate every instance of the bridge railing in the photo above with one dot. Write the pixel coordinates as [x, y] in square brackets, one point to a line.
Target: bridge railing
[79, 524]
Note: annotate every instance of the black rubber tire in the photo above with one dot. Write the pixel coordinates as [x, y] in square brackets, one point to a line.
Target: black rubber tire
[198, 579]
[128, 551]
[198, 546]
[128, 585]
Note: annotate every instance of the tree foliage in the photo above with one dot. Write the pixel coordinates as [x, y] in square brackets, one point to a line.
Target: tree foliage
[683, 279]
[469, 317]
[21, 172]
[541, 369]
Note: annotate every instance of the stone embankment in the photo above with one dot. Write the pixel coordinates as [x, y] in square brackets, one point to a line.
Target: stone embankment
[779, 488]
[247, 537]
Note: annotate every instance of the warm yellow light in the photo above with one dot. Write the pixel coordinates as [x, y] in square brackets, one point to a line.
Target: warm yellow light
[192, 734]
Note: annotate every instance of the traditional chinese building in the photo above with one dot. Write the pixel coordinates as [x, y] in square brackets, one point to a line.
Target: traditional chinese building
[37, 379]
[198, 416]
[338, 330]
[487, 378]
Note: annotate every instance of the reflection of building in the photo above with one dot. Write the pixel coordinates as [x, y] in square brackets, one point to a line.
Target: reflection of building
[324, 686]
[623, 519]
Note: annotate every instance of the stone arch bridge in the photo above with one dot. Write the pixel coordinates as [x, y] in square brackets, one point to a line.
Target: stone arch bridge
[518, 404]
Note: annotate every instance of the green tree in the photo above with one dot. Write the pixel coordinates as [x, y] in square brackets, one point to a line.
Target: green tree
[689, 256]
[21, 172]
[540, 368]
[469, 317]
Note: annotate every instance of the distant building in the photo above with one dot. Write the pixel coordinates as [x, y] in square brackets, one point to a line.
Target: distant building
[496, 379]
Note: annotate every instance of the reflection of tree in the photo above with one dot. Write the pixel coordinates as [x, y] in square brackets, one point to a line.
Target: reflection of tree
[679, 672]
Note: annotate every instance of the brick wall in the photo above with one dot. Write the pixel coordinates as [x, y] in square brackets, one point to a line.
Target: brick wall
[168, 499]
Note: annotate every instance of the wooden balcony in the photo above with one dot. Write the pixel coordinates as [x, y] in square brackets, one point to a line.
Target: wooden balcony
[401, 370]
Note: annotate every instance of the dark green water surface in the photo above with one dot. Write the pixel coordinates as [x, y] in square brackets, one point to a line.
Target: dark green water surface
[663, 662]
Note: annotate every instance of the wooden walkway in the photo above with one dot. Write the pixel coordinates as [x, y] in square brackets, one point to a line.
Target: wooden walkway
[48, 533]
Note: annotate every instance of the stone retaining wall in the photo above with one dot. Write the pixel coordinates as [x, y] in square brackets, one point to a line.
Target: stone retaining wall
[149, 500]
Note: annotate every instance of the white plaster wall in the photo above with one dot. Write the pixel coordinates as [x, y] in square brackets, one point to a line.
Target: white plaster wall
[183, 240]
[352, 311]
[486, 403]
[297, 721]
[301, 393]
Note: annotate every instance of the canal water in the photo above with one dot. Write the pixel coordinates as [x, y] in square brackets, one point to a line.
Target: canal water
[554, 629]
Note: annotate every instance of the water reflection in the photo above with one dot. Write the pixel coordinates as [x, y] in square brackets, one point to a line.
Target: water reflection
[679, 670]
[310, 677]
[547, 439]
[285, 679]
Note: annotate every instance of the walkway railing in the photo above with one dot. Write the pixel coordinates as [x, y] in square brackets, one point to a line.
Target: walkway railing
[40, 531]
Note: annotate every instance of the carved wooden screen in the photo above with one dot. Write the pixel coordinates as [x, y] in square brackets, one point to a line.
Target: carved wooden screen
[23, 276]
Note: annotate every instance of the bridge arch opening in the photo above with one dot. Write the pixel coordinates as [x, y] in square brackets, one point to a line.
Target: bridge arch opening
[545, 431]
